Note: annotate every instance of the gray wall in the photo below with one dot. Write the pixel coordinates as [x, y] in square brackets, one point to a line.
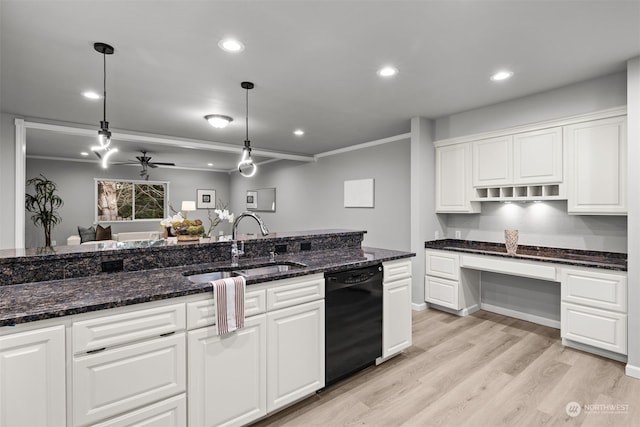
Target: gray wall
[7, 178]
[310, 195]
[75, 181]
[546, 223]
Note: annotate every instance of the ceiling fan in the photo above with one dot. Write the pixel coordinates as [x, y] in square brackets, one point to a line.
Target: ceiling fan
[145, 162]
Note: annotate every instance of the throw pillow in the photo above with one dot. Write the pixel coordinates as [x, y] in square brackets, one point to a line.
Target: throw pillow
[87, 234]
[103, 233]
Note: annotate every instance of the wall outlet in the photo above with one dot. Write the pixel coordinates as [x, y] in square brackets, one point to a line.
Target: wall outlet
[458, 234]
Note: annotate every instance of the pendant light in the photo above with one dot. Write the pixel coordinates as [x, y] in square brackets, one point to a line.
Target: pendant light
[104, 134]
[246, 167]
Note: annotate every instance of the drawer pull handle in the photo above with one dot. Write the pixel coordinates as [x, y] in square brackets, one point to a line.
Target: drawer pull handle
[167, 334]
[97, 350]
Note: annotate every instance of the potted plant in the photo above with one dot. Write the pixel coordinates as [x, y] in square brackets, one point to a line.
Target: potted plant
[44, 205]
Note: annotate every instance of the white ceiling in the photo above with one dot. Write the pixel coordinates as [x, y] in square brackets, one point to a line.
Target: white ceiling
[313, 64]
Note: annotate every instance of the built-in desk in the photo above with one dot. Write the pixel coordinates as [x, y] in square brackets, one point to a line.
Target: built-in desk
[593, 300]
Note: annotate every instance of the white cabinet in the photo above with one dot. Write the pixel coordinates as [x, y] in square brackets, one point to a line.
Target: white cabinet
[447, 285]
[596, 153]
[170, 412]
[594, 308]
[454, 187]
[295, 353]
[32, 368]
[127, 359]
[537, 157]
[228, 374]
[396, 307]
[493, 162]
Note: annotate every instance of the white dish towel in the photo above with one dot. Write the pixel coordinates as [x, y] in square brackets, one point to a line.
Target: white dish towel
[229, 294]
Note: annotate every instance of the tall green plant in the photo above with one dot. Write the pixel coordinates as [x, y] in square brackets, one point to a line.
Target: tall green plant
[44, 204]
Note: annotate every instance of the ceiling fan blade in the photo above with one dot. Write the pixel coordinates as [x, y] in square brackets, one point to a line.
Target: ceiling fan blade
[98, 155]
[162, 164]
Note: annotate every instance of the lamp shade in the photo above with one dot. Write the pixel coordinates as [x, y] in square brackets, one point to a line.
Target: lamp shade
[188, 205]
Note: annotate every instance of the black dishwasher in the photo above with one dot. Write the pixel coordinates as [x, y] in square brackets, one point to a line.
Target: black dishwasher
[353, 321]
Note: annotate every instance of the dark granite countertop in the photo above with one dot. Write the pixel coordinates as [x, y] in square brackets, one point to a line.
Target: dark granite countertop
[578, 257]
[29, 302]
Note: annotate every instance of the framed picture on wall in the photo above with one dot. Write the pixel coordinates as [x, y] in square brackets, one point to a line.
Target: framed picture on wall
[205, 199]
[252, 199]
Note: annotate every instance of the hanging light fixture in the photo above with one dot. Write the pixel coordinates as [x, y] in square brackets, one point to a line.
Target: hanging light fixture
[104, 134]
[246, 167]
[218, 120]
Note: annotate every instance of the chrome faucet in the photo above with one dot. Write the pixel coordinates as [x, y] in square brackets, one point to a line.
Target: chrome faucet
[235, 251]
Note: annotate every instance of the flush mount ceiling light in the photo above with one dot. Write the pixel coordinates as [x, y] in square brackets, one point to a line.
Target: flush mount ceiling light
[501, 75]
[104, 135]
[298, 132]
[91, 95]
[387, 71]
[218, 121]
[231, 45]
[246, 167]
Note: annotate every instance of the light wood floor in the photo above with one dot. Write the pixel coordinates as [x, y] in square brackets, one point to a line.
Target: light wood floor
[481, 370]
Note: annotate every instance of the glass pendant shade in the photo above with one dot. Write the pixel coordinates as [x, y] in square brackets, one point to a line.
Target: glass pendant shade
[246, 167]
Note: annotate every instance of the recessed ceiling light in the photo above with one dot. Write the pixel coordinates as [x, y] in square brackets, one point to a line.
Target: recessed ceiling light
[298, 132]
[84, 153]
[209, 164]
[501, 75]
[387, 71]
[231, 45]
[91, 95]
[218, 121]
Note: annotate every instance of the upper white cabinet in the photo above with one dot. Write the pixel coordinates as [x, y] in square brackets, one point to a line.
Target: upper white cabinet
[492, 162]
[32, 368]
[596, 153]
[453, 179]
[537, 157]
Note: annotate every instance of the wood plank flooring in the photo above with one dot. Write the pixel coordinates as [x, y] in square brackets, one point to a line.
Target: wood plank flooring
[481, 370]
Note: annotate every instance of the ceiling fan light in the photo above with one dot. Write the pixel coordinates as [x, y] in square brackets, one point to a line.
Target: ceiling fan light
[218, 121]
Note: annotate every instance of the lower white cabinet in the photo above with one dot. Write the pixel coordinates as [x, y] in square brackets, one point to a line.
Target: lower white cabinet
[170, 412]
[121, 379]
[443, 292]
[396, 307]
[32, 369]
[228, 374]
[598, 328]
[295, 353]
[449, 286]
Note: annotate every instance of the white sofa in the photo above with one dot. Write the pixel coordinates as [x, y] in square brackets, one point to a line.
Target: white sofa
[127, 236]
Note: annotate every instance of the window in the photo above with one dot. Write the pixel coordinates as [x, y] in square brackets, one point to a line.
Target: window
[131, 200]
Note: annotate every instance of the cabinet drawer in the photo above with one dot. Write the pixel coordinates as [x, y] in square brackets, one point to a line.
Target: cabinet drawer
[396, 270]
[598, 328]
[203, 313]
[442, 292]
[115, 381]
[289, 292]
[595, 289]
[116, 329]
[170, 412]
[443, 264]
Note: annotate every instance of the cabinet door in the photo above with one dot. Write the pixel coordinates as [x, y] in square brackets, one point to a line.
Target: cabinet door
[493, 162]
[453, 179]
[227, 375]
[171, 412]
[442, 292]
[32, 368]
[537, 157]
[597, 167]
[115, 381]
[598, 328]
[396, 316]
[295, 353]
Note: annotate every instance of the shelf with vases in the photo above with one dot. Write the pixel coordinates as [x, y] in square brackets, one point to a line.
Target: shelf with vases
[522, 193]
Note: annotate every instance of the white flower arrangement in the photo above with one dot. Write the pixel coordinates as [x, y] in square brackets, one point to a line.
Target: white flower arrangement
[168, 222]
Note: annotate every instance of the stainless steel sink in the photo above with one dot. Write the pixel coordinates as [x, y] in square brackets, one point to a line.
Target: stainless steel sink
[208, 277]
[267, 269]
[246, 271]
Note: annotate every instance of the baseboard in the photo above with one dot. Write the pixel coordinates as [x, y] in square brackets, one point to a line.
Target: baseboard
[469, 310]
[595, 350]
[520, 315]
[632, 371]
[418, 307]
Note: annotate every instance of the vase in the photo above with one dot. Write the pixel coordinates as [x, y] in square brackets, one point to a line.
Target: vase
[511, 241]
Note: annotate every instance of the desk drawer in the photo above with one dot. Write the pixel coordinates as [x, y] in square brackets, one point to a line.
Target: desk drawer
[442, 292]
[508, 266]
[595, 289]
[443, 264]
[598, 328]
